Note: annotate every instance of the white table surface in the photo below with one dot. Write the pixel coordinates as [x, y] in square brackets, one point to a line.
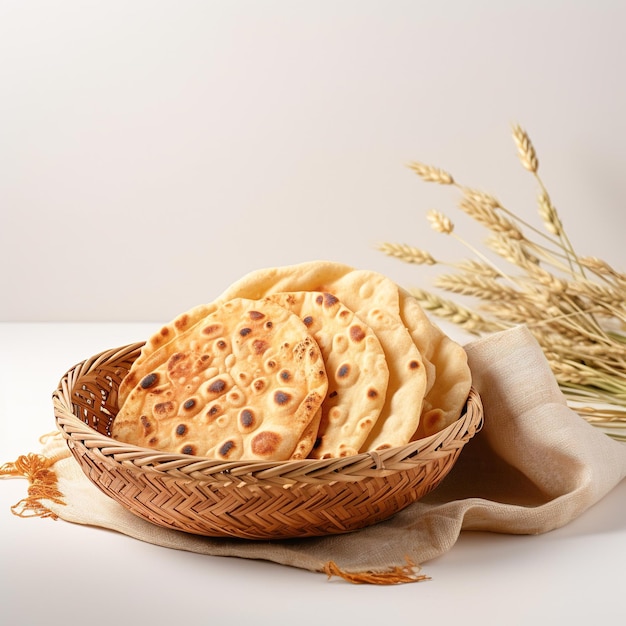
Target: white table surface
[54, 572]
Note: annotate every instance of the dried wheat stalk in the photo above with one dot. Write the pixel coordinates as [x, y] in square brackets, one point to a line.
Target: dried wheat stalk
[574, 305]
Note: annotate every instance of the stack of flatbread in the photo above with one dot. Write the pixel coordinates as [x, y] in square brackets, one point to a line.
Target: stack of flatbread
[317, 360]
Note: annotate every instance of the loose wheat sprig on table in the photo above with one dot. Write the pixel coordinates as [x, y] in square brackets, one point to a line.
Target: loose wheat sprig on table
[574, 305]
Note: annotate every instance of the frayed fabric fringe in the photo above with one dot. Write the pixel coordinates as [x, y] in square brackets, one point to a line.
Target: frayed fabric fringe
[400, 574]
[37, 469]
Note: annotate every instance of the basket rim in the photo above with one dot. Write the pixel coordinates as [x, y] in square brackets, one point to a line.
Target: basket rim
[370, 463]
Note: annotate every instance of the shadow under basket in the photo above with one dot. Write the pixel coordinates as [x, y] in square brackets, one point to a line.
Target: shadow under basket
[246, 499]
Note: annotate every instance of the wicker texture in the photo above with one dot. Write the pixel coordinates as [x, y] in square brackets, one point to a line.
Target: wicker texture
[253, 500]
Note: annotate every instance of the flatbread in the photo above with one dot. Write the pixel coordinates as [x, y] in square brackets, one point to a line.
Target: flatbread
[448, 374]
[375, 300]
[443, 362]
[429, 397]
[308, 438]
[246, 382]
[356, 367]
[186, 320]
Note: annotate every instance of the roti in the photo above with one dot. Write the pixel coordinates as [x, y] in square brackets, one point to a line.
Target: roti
[246, 285]
[448, 373]
[356, 368]
[375, 300]
[428, 374]
[247, 382]
[443, 362]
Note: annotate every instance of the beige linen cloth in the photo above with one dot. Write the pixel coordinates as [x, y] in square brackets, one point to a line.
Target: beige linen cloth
[535, 466]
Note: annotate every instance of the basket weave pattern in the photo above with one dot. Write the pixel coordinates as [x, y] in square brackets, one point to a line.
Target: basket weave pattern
[247, 499]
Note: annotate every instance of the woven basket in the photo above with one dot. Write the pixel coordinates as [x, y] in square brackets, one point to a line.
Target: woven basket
[247, 499]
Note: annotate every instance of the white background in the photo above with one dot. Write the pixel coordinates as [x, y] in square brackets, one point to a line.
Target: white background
[153, 152]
